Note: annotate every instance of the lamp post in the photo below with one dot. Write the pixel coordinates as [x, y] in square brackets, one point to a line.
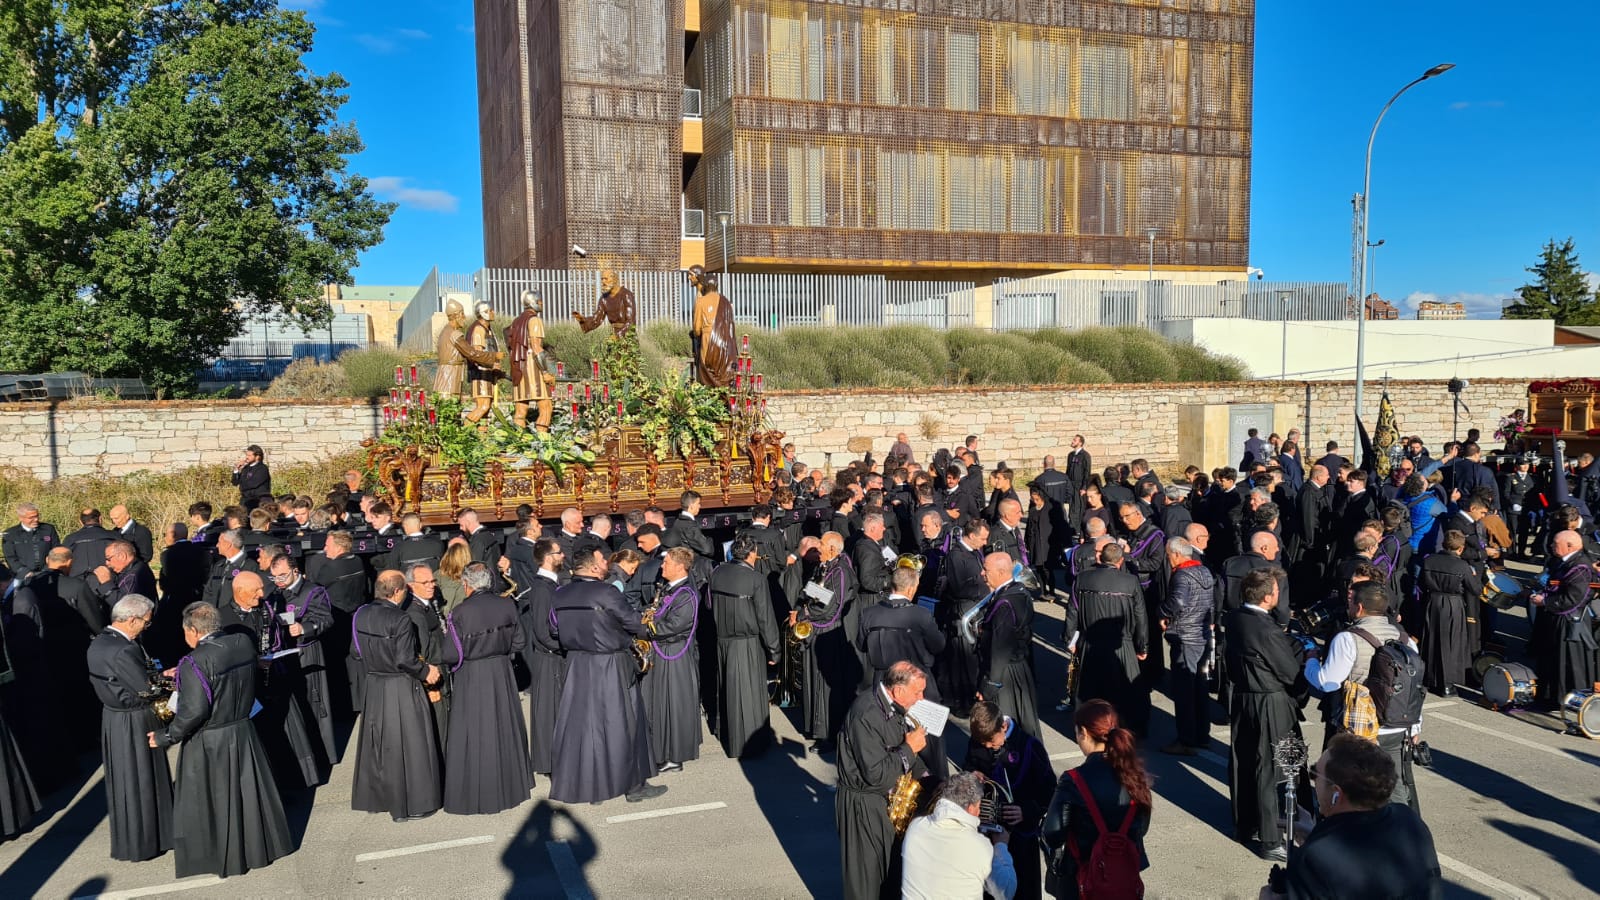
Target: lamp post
[1361, 244]
[1151, 233]
[1283, 372]
[723, 218]
[1372, 264]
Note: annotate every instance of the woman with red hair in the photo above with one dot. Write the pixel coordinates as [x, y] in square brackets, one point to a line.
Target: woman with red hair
[1108, 793]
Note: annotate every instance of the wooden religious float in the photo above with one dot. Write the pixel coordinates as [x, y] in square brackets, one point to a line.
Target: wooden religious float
[625, 475]
[1566, 410]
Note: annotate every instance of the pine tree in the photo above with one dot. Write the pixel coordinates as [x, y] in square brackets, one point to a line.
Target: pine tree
[1558, 290]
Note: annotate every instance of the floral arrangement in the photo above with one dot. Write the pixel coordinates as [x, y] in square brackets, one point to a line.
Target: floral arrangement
[1512, 427]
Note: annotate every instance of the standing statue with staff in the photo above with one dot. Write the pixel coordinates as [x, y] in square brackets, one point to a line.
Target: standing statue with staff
[711, 332]
[531, 377]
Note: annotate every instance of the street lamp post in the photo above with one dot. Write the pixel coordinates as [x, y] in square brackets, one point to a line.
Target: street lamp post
[1372, 264]
[1151, 233]
[1361, 245]
[723, 218]
[1283, 372]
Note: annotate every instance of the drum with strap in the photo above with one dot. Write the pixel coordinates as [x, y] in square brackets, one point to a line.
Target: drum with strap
[1581, 711]
[1507, 685]
[1501, 590]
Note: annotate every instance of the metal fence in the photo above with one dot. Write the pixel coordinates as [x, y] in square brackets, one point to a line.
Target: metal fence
[1047, 302]
[777, 301]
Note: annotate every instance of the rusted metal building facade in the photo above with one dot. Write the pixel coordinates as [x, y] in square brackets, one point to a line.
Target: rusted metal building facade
[996, 137]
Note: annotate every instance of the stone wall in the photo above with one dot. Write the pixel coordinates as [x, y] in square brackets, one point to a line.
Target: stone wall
[1018, 425]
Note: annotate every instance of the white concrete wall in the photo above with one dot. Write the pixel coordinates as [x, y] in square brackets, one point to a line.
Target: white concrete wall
[1402, 348]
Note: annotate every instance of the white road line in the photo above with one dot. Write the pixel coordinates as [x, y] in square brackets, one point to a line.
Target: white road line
[670, 811]
[424, 848]
[1485, 879]
[568, 870]
[1212, 758]
[155, 890]
[1535, 745]
[1440, 704]
[1040, 642]
[1067, 754]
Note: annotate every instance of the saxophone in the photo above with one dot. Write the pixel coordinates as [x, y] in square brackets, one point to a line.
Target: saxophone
[903, 799]
[643, 650]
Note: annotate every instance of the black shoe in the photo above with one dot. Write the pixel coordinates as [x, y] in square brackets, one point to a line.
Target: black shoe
[1273, 854]
[1178, 748]
[646, 791]
[1449, 691]
[671, 767]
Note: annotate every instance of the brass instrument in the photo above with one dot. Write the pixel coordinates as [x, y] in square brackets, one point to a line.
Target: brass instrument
[800, 631]
[643, 650]
[903, 799]
[914, 561]
[159, 696]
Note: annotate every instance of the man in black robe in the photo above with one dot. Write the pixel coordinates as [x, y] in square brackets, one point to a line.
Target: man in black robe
[70, 616]
[124, 573]
[962, 589]
[543, 656]
[397, 765]
[253, 477]
[1005, 644]
[343, 575]
[416, 546]
[747, 642]
[1564, 635]
[671, 688]
[1005, 535]
[138, 781]
[486, 544]
[1109, 632]
[1147, 560]
[135, 533]
[26, 543]
[876, 747]
[1004, 752]
[226, 812]
[88, 544]
[872, 561]
[19, 799]
[423, 608]
[309, 615]
[1264, 664]
[832, 669]
[898, 629]
[281, 722]
[685, 529]
[602, 742]
[231, 559]
[487, 769]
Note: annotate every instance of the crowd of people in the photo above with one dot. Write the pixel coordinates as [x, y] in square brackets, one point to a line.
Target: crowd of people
[850, 598]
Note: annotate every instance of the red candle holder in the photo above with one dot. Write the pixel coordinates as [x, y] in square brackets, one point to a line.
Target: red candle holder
[433, 415]
[423, 398]
[745, 344]
[594, 368]
[605, 392]
[561, 370]
[588, 397]
[763, 406]
[760, 383]
[738, 382]
[394, 396]
[733, 403]
[619, 410]
[399, 374]
[386, 415]
[408, 396]
[405, 416]
[574, 411]
[570, 388]
[413, 373]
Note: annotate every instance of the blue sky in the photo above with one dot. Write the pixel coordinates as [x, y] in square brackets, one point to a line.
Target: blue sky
[1472, 172]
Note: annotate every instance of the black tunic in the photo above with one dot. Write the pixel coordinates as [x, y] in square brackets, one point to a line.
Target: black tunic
[1569, 658]
[962, 589]
[345, 580]
[138, 781]
[486, 755]
[431, 640]
[19, 801]
[1450, 591]
[832, 669]
[313, 612]
[747, 640]
[397, 760]
[1005, 649]
[1107, 613]
[297, 757]
[227, 815]
[898, 629]
[873, 754]
[1022, 767]
[602, 745]
[1264, 665]
[71, 618]
[25, 550]
[672, 686]
[547, 666]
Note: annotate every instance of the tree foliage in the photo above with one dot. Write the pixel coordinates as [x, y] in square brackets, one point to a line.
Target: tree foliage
[166, 165]
[1558, 290]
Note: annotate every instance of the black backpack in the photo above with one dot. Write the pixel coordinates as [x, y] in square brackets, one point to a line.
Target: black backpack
[1395, 681]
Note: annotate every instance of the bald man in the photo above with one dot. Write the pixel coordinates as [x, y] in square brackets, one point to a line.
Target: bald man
[123, 525]
[1005, 644]
[297, 758]
[1563, 635]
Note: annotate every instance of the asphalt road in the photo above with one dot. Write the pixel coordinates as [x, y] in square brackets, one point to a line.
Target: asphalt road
[1514, 806]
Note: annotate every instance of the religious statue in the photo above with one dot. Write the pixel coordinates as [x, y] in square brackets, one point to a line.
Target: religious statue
[483, 364]
[453, 351]
[531, 378]
[615, 306]
[711, 332]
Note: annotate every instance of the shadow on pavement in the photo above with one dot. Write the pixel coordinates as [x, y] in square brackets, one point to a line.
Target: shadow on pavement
[528, 856]
[799, 807]
[1581, 860]
[1513, 793]
[28, 873]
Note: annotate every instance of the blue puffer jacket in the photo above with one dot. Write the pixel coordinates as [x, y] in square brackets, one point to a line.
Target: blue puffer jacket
[1188, 606]
[1425, 509]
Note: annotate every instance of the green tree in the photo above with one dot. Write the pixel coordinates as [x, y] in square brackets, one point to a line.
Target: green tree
[1558, 290]
[165, 167]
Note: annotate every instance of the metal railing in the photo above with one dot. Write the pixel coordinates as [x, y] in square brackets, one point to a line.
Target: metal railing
[694, 223]
[691, 103]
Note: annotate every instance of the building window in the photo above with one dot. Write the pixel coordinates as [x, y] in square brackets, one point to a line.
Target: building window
[1105, 76]
[977, 192]
[910, 188]
[1027, 195]
[961, 71]
[1101, 195]
[1039, 76]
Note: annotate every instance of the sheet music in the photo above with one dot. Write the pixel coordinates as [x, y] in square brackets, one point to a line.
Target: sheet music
[931, 715]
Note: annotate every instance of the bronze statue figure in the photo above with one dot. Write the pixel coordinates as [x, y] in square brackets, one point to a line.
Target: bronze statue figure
[483, 363]
[616, 306]
[531, 378]
[711, 332]
[453, 350]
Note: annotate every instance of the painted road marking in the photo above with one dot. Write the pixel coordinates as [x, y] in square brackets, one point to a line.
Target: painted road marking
[1485, 879]
[424, 848]
[670, 811]
[156, 890]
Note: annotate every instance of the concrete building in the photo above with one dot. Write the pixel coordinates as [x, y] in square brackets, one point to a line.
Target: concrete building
[919, 138]
[1429, 310]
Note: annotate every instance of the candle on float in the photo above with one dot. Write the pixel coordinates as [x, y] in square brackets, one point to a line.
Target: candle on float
[433, 415]
[763, 406]
[386, 414]
[738, 382]
[587, 396]
[605, 392]
[423, 398]
[408, 396]
[570, 388]
[574, 410]
[594, 367]
[561, 370]
[745, 344]
[399, 374]
[394, 396]
[405, 416]
[619, 410]
[733, 403]
[760, 382]
[413, 373]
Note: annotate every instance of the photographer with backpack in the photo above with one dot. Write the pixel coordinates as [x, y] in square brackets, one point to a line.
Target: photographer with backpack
[1374, 684]
[1101, 810]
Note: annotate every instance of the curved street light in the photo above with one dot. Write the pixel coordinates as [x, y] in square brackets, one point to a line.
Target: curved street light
[1361, 244]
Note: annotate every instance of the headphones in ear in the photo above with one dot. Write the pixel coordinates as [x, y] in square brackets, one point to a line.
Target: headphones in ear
[1334, 798]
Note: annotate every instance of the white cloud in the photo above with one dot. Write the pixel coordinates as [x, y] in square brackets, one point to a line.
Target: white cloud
[1479, 306]
[412, 34]
[391, 41]
[1477, 104]
[376, 43]
[392, 187]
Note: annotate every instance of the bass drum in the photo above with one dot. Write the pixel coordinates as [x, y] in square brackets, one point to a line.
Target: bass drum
[1483, 659]
[1501, 590]
[1581, 711]
[1507, 685]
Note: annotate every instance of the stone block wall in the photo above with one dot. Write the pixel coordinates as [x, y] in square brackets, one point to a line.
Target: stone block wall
[1019, 425]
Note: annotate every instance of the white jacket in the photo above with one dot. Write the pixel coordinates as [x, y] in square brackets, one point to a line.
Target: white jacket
[947, 859]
